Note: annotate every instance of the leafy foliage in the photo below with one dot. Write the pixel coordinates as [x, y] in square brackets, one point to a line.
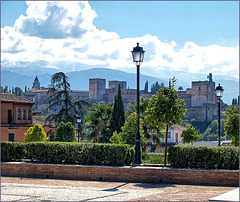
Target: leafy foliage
[149, 131]
[11, 151]
[5, 89]
[146, 88]
[156, 87]
[153, 158]
[232, 124]
[117, 119]
[98, 121]
[180, 88]
[165, 108]
[69, 153]
[206, 157]
[190, 135]
[18, 91]
[35, 134]
[211, 133]
[129, 130]
[60, 100]
[65, 132]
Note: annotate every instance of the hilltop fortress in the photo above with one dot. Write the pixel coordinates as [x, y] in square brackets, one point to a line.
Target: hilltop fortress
[200, 99]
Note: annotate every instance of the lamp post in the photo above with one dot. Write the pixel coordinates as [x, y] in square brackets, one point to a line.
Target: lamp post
[138, 54]
[219, 93]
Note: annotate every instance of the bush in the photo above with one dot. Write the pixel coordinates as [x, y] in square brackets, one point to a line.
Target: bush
[35, 133]
[206, 157]
[11, 151]
[65, 132]
[153, 158]
[71, 153]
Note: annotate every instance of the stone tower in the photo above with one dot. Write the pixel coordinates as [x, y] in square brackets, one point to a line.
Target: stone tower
[203, 92]
[96, 89]
[200, 100]
[36, 83]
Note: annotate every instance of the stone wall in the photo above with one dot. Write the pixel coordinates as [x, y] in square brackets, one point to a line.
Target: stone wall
[123, 174]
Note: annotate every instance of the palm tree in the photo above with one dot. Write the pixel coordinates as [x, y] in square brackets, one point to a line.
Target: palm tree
[60, 98]
[98, 121]
[180, 88]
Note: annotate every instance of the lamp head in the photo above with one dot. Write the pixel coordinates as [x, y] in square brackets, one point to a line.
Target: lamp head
[138, 54]
[219, 91]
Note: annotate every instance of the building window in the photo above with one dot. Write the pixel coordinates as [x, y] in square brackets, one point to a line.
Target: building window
[9, 116]
[11, 137]
[24, 114]
[168, 135]
[19, 114]
[29, 114]
[176, 137]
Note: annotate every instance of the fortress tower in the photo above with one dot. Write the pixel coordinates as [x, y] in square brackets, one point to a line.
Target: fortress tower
[200, 100]
[96, 89]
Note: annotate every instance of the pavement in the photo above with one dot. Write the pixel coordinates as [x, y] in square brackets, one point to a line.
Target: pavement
[230, 196]
[35, 189]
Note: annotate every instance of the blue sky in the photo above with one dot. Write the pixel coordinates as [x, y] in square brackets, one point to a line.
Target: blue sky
[190, 36]
[202, 22]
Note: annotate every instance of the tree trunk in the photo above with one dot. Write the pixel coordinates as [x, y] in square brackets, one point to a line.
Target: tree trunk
[165, 156]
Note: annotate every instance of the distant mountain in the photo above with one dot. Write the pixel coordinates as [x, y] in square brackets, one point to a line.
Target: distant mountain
[79, 80]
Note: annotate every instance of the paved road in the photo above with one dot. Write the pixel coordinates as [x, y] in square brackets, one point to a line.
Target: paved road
[30, 189]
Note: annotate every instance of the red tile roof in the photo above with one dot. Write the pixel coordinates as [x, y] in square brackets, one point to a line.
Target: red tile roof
[7, 97]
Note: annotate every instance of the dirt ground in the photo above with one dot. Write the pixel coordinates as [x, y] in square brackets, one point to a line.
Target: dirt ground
[161, 192]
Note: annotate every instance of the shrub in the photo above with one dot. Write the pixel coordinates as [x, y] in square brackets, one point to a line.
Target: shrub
[65, 132]
[153, 158]
[11, 151]
[35, 133]
[210, 157]
[69, 153]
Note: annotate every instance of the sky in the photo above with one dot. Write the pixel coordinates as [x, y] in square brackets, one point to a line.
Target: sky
[189, 36]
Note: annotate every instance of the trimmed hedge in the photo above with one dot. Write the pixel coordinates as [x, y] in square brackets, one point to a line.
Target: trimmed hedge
[206, 157]
[72, 153]
[11, 151]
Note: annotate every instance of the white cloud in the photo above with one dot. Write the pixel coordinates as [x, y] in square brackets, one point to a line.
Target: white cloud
[64, 32]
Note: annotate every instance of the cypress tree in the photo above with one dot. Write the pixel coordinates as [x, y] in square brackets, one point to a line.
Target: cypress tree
[117, 119]
[146, 88]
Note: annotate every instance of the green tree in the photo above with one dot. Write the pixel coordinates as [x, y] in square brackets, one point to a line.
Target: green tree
[61, 100]
[150, 132]
[117, 119]
[190, 135]
[65, 132]
[129, 130]
[155, 87]
[18, 91]
[232, 124]
[180, 88]
[5, 89]
[165, 108]
[146, 88]
[234, 101]
[35, 134]
[98, 122]
[211, 132]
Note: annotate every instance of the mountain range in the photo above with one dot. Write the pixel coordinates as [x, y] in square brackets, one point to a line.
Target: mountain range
[79, 80]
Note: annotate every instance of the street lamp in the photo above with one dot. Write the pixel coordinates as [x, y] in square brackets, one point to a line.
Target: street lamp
[219, 93]
[138, 54]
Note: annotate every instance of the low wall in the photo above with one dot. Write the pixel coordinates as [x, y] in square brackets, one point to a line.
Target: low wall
[124, 174]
